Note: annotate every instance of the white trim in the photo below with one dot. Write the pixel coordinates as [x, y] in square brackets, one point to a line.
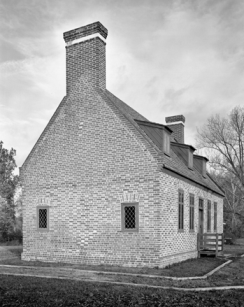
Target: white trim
[175, 123]
[82, 39]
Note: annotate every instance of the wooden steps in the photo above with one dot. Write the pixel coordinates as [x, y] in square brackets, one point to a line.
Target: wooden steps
[210, 244]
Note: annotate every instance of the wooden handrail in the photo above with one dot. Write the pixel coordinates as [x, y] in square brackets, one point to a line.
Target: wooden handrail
[210, 242]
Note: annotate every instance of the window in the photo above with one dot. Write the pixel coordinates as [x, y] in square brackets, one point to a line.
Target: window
[166, 143]
[204, 171]
[190, 159]
[130, 217]
[181, 210]
[215, 217]
[191, 213]
[200, 203]
[43, 218]
[209, 217]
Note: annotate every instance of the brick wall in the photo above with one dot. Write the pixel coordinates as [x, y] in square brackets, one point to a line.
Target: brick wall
[86, 164]
[176, 245]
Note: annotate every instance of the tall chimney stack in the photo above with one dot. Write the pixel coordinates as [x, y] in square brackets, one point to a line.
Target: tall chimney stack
[86, 55]
[176, 124]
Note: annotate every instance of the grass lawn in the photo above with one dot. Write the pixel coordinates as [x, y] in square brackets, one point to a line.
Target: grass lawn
[33, 291]
[29, 291]
[193, 267]
[234, 250]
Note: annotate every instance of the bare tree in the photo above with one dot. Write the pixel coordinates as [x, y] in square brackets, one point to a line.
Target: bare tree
[223, 140]
[224, 137]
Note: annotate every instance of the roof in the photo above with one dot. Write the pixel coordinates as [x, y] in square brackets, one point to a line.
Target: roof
[172, 163]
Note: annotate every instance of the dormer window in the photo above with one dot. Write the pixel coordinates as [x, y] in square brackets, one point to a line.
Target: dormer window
[200, 164]
[184, 152]
[159, 134]
[166, 143]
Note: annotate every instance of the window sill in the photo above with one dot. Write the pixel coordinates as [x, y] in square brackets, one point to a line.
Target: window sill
[129, 231]
[181, 230]
[191, 231]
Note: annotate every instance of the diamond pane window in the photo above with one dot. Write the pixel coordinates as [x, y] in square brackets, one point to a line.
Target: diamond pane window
[129, 215]
[42, 218]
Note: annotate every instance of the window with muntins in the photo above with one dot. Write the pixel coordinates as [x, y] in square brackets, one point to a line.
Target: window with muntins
[191, 213]
[43, 218]
[130, 216]
[181, 210]
[215, 216]
[209, 217]
[201, 203]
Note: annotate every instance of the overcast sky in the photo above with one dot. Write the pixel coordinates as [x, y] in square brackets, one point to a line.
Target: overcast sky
[164, 58]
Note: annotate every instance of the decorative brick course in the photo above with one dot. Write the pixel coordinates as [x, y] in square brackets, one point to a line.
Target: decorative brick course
[90, 29]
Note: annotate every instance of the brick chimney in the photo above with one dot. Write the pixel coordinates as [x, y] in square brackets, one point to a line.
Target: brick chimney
[86, 55]
[176, 124]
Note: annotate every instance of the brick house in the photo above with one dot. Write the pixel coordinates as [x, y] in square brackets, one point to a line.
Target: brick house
[103, 185]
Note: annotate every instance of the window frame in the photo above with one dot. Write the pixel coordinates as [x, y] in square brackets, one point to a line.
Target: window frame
[215, 216]
[191, 212]
[37, 222]
[201, 203]
[166, 143]
[190, 159]
[204, 169]
[180, 211]
[126, 204]
[209, 211]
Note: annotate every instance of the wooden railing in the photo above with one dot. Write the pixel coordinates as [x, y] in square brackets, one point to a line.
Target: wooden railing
[210, 243]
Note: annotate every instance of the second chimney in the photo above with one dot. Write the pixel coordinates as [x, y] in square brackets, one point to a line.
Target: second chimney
[176, 124]
[85, 55]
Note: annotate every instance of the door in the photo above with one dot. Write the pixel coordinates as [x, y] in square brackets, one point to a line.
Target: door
[200, 223]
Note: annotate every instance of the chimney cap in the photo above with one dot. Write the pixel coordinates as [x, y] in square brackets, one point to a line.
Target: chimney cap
[175, 118]
[95, 27]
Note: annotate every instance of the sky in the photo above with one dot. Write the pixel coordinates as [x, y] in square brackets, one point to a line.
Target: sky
[164, 58]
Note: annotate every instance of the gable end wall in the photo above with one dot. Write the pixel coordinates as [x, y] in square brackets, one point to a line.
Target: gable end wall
[87, 164]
